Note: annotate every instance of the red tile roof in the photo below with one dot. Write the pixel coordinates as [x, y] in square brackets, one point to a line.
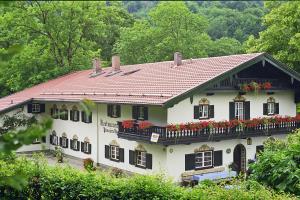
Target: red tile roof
[153, 83]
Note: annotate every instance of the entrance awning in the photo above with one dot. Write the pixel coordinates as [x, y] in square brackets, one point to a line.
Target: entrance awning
[214, 175]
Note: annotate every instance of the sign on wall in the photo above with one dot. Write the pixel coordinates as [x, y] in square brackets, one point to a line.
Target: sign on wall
[154, 137]
[109, 127]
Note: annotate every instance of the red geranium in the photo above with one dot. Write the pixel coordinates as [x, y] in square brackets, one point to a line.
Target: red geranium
[145, 124]
[267, 85]
[128, 123]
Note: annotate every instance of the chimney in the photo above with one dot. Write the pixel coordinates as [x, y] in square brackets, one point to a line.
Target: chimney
[96, 65]
[115, 63]
[177, 59]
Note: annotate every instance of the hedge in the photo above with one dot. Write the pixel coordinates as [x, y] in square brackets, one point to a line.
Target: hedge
[56, 182]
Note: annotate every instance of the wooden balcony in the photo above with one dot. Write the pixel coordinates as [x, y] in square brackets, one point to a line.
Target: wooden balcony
[237, 82]
[167, 137]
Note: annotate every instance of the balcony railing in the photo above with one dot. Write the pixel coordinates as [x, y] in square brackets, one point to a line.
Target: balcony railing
[237, 82]
[168, 137]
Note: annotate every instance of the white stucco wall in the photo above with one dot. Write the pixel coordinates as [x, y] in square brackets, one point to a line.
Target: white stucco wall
[184, 111]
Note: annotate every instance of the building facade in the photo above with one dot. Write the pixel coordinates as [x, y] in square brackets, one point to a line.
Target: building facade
[181, 118]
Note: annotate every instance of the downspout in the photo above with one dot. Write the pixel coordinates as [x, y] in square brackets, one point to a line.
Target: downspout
[97, 134]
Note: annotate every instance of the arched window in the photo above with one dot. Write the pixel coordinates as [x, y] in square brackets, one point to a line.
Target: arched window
[74, 143]
[54, 112]
[53, 138]
[64, 113]
[74, 114]
[64, 141]
[86, 147]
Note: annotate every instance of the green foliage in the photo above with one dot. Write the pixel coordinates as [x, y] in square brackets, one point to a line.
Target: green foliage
[281, 37]
[57, 38]
[171, 27]
[279, 165]
[47, 182]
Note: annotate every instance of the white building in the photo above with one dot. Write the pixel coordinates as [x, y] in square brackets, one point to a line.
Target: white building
[192, 95]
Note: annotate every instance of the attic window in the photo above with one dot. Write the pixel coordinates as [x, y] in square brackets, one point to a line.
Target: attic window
[112, 73]
[130, 72]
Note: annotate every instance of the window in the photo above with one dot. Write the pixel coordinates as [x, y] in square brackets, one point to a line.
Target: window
[86, 118]
[63, 141]
[114, 152]
[54, 112]
[239, 110]
[36, 141]
[74, 114]
[203, 159]
[271, 108]
[74, 143]
[64, 113]
[141, 158]
[203, 111]
[36, 108]
[113, 110]
[53, 138]
[86, 147]
[140, 112]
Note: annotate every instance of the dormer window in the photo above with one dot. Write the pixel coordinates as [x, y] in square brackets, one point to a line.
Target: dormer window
[271, 107]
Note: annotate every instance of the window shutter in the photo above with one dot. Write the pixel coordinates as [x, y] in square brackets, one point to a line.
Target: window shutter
[67, 143]
[78, 145]
[121, 154]
[89, 148]
[71, 144]
[265, 109]
[51, 139]
[247, 110]
[90, 117]
[60, 141]
[134, 112]
[196, 112]
[231, 110]
[145, 113]
[131, 157]
[218, 158]
[42, 108]
[82, 146]
[189, 161]
[276, 108]
[72, 115]
[109, 110]
[82, 116]
[106, 154]
[118, 110]
[29, 108]
[211, 111]
[149, 161]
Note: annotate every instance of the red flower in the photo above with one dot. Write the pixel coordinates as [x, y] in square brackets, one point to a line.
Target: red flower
[145, 124]
[128, 123]
[267, 85]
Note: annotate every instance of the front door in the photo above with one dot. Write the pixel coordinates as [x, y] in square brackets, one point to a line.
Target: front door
[239, 158]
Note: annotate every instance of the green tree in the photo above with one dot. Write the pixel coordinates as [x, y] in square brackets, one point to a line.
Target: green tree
[281, 37]
[58, 37]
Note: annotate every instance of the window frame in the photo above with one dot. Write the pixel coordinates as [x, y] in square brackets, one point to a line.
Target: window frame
[237, 109]
[141, 159]
[36, 108]
[86, 147]
[64, 141]
[56, 139]
[201, 111]
[74, 141]
[116, 155]
[269, 108]
[86, 118]
[203, 156]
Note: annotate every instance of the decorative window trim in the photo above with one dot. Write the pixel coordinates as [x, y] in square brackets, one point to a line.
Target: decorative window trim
[204, 101]
[200, 158]
[204, 147]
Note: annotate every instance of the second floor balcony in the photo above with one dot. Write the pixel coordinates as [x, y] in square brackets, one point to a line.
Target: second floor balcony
[211, 131]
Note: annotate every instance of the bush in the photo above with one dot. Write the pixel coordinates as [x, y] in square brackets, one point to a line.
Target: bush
[279, 165]
[57, 182]
[88, 164]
